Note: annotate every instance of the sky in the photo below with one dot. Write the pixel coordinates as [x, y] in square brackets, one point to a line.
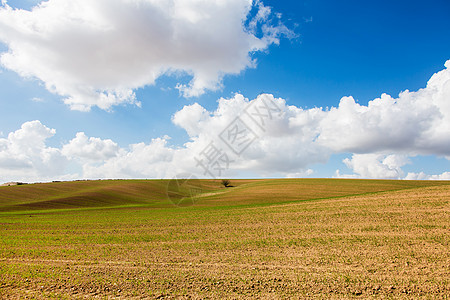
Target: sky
[99, 89]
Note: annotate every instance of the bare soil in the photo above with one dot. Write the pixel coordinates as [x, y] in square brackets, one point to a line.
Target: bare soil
[382, 245]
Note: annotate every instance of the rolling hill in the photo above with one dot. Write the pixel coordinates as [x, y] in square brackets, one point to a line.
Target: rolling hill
[270, 239]
[155, 193]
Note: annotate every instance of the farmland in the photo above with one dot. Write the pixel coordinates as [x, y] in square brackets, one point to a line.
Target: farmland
[274, 238]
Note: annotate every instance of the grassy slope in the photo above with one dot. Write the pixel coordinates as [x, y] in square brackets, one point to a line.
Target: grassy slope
[80, 194]
[112, 193]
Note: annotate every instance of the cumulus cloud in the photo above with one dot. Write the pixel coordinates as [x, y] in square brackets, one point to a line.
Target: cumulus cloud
[376, 166]
[153, 160]
[423, 176]
[96, 52]
[24, 155]
[415, 122]
[306, 173]
[263, 136]
[93, 149]
[282, 144]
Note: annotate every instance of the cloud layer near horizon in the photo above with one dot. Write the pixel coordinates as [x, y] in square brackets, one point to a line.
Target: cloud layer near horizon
[380, 138]
[97, 52]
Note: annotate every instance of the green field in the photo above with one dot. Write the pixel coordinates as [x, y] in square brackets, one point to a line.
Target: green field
[278, 238]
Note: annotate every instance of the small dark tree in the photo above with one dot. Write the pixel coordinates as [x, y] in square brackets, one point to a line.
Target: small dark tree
[226, 183]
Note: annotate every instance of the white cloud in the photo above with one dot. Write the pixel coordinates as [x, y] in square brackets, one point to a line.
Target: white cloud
[415, 122]
[25, 157]
[306, 173]
[93, 149]
[154, 160]
[376, 166]
[191, 118]
[286, 146]
[380, 137]
[96, 52]
[423, 176]
[337, 174]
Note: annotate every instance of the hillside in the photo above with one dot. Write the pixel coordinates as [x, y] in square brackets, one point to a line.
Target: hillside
[154, 193]
[268, 239]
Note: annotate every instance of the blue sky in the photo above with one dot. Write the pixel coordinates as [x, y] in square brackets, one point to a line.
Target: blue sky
[322, 51]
